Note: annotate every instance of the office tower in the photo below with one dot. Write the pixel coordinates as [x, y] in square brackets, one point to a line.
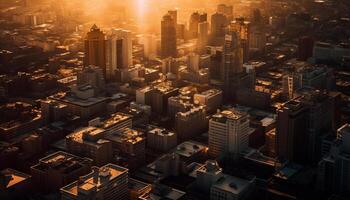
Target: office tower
[203, 36]
[168, 37]
[195, 19]
[109, 182]
[242, 27]
[95, 49]
[193, 62]
[57, 170]
[232, 62]
[161, 139]
[305, 48]
[150, 46]
[218, 25]
[256, 17]
[173, 14]
[119, 51]
[226, 10]
[257, 40]
[90, 142]
[333, 169]
[228, 133]
[291, 137]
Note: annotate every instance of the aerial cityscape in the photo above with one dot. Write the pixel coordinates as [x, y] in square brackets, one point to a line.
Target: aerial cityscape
[175, 100]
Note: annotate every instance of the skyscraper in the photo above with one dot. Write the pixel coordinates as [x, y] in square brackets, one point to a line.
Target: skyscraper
[119, 51]
[243, 29]
[95, 48]
[203, 30]
[168, 37]
[218, 25]
[291, 138]
[195, 19]
[232, 64]
[228, 133]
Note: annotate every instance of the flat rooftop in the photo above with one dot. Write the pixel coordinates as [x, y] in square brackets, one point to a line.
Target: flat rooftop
[10, 177]
[95, 180]
[61, 161]
[232, 184]
[189, 148]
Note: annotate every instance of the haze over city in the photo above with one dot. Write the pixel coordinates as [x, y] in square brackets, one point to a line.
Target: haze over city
[174, 99]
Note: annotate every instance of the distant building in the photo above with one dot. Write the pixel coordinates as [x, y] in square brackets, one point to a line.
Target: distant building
[228, 133]
[58, 169]
[305, 48]
[168, 37]
[109, 182]
[119, 51]
[95, 49]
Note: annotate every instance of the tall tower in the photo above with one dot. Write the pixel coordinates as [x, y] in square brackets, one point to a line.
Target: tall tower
[228, 133]
[203, 29]
[243, 29]
[95, 48]
[195, 19]
[232, 64]
[119, 51]
[218, 25]
[168, 36]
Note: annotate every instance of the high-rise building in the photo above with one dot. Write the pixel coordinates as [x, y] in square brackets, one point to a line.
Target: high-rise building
[226, 10]
[211, 99]
[203, 36]
[168, 37]
[150, 46]
[232, 64]
[333, 169]
[195, 19]
[305, 48]
[218, 25]
[242, 27]
[228, 133]
[109, 182]
[291, 137]
[95, 48]
[119, 51]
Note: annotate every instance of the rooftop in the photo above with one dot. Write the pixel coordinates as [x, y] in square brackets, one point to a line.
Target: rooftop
[61, 161]
[10, 177]
[189, 148]
[126, 135]
[96, 180]
[232, 184]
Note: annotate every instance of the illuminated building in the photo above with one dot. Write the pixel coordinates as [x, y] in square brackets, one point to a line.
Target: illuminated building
[228, 133]
[95, 49]
[57, 170]
[90, 142]
[242, 27]
[119, 51]
[203, 35]
[211, 99]
[226, 10]
[168, 37]
[109, 182]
